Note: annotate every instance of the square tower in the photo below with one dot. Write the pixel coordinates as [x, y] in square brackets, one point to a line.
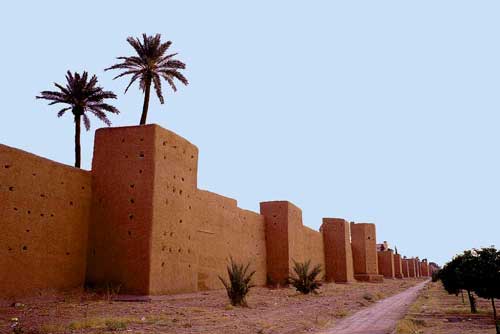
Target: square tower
[338, 252]
[364, 252]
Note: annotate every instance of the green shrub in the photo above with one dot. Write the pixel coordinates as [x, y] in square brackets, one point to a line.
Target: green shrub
[239, 282]
[303, 279]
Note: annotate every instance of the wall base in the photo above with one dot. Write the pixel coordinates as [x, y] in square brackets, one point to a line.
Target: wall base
[372, 278]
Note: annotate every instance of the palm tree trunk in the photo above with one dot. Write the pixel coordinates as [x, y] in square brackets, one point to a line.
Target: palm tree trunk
[497, 325]
[472, 302]
[145, 106]
[78, 157]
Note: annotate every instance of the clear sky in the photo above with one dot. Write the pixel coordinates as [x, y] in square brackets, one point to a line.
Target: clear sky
[375, 111]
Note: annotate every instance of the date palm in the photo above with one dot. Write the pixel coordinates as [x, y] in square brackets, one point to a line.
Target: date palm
[82, 96]
[150, 65]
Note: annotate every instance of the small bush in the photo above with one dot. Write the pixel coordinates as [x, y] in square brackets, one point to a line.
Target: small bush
[305, 280]
[239, 282]
[115, 325]
[435, 276]
[368, 296]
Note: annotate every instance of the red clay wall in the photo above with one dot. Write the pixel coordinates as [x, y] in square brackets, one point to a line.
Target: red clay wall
[424, 268]
[398, 266]
[412, 268]
[160, 233]
[44, 213]
[338, 253]
[386, 264]
[288, 240]
[364, 252]
[406, 267]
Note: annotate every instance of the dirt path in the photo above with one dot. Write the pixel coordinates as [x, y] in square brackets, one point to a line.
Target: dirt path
[380, 318]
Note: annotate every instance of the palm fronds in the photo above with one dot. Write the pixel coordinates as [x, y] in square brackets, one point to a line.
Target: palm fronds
[304, 279]
[239, 284]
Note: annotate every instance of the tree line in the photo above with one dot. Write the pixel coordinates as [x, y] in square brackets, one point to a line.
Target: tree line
[476, 272]
[81, 95]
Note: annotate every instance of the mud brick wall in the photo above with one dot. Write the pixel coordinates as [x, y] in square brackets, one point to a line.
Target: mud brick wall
[44, 214]
[386, 264]
[424, 268]
[398, 266]
[364, 252]
[160, 233]
[338, 253]
[412, 268]
[288, 240]
[406, 267]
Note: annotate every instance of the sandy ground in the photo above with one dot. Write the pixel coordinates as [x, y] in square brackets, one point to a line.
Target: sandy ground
[437, 312]
[269, 311]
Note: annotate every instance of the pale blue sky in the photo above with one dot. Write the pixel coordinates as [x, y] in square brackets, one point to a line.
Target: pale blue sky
[375, 111]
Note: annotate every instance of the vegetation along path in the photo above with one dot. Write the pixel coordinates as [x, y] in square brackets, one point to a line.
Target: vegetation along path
[380, 318]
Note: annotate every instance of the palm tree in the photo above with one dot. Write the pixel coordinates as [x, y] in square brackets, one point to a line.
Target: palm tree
[81, 95]
[149, 66]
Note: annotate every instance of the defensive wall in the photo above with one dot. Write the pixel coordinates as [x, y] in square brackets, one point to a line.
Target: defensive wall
[139, 220]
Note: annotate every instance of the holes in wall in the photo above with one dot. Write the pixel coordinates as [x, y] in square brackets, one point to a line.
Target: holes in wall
[184, 151]
[123, 140]
[71, 203]
[180, 250]
[141, 155]
[170, 250]
[163, 264]
[42, 215]
[52, 215]
[27, 231]
[174, 146]
[142, 139]
[42, 195]
[126, 156]
[192, 156]
[62, 182]
[180, 221]
[7, 166]
[129, 233]
[130, 216]
[174, 177]
[132, 186]
[29, 212]
[140, 171]
[83, 188]
[67, 253]
[180, 192]
[171, 234]
[163, 248]
[25, 248]
[132, 201]
[189, 207]
[15, 209]
[11, 188]
[34, 174]
[173, 189]
[165, 143]
[166, 201]
[182, 179]
[9, 249]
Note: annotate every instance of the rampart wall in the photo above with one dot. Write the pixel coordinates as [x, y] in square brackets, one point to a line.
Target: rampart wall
[44, 215]
[139, 220]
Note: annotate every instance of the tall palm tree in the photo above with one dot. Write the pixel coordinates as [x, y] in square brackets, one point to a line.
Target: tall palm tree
[149, 66]
[82, 96]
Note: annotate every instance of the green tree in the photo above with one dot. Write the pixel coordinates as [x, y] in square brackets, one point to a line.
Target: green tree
[149, 66]
[488, 285]
[461, 273]
[81, 95]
